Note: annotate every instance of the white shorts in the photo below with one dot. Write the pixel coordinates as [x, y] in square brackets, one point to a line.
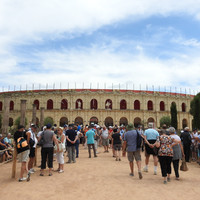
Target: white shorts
[60, 158]
[23, 156]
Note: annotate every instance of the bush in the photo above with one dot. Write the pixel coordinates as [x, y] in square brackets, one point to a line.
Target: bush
[48, 120]
[165, 120]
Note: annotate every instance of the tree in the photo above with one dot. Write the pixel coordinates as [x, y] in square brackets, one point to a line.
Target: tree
[17, 121]
[195, 111]
[173, 111]
[48, 120]
[165, 120]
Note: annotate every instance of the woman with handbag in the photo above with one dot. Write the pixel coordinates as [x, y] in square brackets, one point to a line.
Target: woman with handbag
[61, 144]
[165, 153]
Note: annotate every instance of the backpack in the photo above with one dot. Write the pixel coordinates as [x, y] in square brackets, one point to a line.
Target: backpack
[139, 140]
[21, 143]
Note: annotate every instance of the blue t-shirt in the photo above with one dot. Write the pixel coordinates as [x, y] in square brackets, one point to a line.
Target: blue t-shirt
[131, 138]
[151, 134]
[90, 136]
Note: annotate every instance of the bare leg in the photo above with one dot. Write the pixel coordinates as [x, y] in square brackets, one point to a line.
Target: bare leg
[23, 169]
[131, 167]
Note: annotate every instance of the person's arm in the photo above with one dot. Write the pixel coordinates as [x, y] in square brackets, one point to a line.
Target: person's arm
[28, 136]
[175, 142]
[183, 155]
[2, 144]
[146, 141]
[124, 148]
[63, 138]
[55, 141]
[76, 138]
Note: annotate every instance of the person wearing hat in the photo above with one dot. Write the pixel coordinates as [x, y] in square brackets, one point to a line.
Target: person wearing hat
[23, 153]
[130, 145]
[194, 144]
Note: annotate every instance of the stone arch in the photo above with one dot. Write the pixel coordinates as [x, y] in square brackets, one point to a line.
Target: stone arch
[93, 104]
[137, 122]
[183, 106]
[11, 122]
[108, 104]
[37, 103]
[162, 106]
[123, 104]
[78, 120]
[63, 121]
[184, 123]
[94, 120]
[136, 105]
[50, 104]
[108, 121]
[1, 106]
[11, 105]
[79, 104]
[150, 105]
[64, 104]
[123, 121]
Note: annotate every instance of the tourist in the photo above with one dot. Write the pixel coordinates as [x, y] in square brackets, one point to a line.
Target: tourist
[90, 140]
[110, 132]
[33, 132]
[71, 137]
[194, 145]
[84, 132]
[178, 152]
[141, 132]
[130, 145]
[79, 135]
[60, 152]
[117, 144]
[186, 140]
[8, 141]
[4, 153]
[165, 144]
[22, 140]
[150, 137]
[105, 140]
[47, 149]
[197, 138]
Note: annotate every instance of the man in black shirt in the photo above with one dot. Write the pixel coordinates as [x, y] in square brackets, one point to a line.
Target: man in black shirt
[71, 137]
[23, 152]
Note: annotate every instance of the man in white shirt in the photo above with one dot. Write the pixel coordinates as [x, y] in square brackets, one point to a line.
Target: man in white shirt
[105, 139]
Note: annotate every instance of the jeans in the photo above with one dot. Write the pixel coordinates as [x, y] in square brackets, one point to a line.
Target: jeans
[77, 147]
[89, 150]
[165, 165]
[47, 153]
[71, 153]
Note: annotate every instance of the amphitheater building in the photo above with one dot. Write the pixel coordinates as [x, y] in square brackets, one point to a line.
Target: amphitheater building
[99, 106]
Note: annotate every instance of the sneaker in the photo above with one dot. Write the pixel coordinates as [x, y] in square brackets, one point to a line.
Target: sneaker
[22, 179]
[61, 171]
[116, 159]
[140, 175]
[131, 174]
[145, 169]
[68, 162]
[155, 173]
[168, 179]
[165, 182]
[32, 170]
[119, 159]
[28, 177]
[74, 161]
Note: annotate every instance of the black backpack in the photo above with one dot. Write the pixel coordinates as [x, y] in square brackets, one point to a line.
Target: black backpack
[139, 140]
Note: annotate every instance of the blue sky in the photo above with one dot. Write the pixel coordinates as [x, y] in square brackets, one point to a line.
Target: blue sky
[144, 42]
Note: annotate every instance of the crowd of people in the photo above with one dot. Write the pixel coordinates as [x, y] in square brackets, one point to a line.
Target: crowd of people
[164, 144]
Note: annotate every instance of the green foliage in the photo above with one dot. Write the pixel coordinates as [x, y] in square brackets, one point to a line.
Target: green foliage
[17, 122]
[195, 111]
[173, 111]
[165, 120]
[48, 120]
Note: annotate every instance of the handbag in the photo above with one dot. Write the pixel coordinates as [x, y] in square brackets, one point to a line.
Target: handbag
[183, 166]
[61, 147]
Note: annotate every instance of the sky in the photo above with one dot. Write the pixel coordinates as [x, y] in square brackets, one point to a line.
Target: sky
[130, 44]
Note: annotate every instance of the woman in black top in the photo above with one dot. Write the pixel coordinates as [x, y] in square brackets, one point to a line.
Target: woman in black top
[117, 144]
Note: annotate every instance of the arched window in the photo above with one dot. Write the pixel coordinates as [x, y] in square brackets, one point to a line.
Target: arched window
[93, 104]
[123, 121]
[108, 121]
[79, 120]
[108, 104]
[64, 104]
[63, 121]
[137, 122]
[150, 105]
[37, 103]
[184, 123]
[136, 105]
[79, 104]
[183, 107]
[94, 120]
[162, 106]
[1, 106]
[50, 104]
[11, 105]
[123, 104]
